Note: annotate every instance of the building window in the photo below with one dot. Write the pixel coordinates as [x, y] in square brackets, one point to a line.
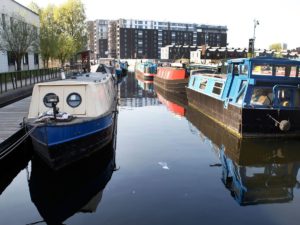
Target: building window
[36, 58]
[11, 58]
[3, 21]
[25, 59]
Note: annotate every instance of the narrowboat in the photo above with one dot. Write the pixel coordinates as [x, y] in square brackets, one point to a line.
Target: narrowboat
[254, 171]
[69, 119]
[121, 68]
[146, 70]
[173, 78]
[256, 98]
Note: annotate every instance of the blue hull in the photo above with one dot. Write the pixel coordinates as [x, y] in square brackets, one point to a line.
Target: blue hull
[51, 135]
[60, 145]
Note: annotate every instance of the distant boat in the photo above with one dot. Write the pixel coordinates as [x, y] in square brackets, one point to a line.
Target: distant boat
[258, 97]
[173, 78]
[121, 68]
[71, 118]
[146, 70]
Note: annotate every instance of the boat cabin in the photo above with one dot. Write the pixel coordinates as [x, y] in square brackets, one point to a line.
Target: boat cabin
[260, 82]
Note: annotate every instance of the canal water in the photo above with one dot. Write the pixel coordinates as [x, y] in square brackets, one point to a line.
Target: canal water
[171, 165]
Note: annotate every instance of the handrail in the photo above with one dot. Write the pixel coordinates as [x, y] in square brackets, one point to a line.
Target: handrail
[19, 79]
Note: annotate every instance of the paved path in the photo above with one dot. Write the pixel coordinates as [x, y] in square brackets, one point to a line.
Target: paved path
[11, 116]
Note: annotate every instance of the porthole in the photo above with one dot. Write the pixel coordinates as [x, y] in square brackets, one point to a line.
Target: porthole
[49, 99]
[74, 100]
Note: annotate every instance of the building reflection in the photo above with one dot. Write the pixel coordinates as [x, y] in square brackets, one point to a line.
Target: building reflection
[136, 93]
[58, 195]
[257, 171]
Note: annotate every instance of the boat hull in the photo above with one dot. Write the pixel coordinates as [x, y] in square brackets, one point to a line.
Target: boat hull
[144, 76]
[61, 145]
[245, 122]
[175, 86]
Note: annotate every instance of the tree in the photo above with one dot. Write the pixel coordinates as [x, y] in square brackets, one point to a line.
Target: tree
[48, 34]
[71, 18]
[18, 38]
[66, 48]
[34, 7]
[276, 46]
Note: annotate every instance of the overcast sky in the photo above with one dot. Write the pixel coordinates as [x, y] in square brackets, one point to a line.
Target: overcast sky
[279, 19]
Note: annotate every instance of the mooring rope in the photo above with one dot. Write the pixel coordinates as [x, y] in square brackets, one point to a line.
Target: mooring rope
[16, 143]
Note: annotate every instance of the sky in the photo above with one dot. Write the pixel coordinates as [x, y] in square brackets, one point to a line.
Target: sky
[278, 19]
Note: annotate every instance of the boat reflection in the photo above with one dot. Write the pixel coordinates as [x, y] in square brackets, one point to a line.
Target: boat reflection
[145, 85]
[13, 163]
[58, 195]
[136, 93]
[254, 171]
[175, 102]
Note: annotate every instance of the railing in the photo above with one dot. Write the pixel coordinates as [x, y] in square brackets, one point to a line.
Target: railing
[14, 80]
[70, 70]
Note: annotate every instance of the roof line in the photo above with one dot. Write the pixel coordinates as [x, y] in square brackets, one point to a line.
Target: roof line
[25, 7]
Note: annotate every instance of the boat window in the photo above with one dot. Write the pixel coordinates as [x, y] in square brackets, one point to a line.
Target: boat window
[49, 98]
[229, 68]
[244, 69]
[296, 98]
[74, 100]
[235, 69]
[288, 97]
[262, 96]
[241, 93]
[293, 71]
[217, 88]
[194, 81]
[264, 69]
[203, 84]
[282, 71]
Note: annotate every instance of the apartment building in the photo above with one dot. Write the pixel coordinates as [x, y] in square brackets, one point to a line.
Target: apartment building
[144, 39]
[31, 60]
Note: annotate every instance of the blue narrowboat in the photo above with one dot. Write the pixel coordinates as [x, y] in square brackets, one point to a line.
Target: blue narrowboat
[72, 118]
[121, 68]
[258, 97]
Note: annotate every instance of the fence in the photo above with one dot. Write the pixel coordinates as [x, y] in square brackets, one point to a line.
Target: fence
[19, 79]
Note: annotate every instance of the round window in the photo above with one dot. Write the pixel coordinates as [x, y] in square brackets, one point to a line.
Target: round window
[74, 100]
[49, 99]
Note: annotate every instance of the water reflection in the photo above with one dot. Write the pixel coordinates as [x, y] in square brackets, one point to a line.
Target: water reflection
[147, 86]
[78, 188]
[254, 171]
[136, 93]
[13, 163]
[175, 103]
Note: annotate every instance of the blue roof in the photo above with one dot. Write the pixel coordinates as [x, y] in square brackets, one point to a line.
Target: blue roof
[268, 60]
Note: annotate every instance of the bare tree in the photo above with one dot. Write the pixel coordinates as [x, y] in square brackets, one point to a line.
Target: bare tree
[18, 38]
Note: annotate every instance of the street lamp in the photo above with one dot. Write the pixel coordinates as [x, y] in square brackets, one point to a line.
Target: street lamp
[256, 22]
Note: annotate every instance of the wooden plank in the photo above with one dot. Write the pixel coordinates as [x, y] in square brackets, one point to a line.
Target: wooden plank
[11, 116]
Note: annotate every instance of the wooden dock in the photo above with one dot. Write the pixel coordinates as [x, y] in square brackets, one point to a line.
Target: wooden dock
[11, 116]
